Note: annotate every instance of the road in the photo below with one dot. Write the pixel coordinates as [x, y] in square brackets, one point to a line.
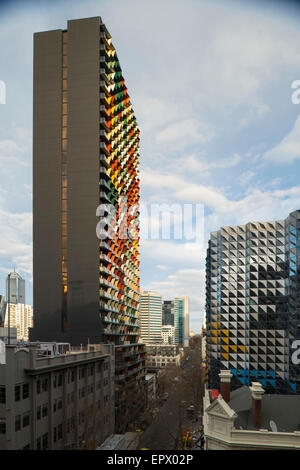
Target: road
[158, 436]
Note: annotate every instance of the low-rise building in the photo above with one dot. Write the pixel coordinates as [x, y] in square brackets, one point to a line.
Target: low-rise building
[160, 355]
[151, 384]
[56, 401]
[247, 418]
[8, 335]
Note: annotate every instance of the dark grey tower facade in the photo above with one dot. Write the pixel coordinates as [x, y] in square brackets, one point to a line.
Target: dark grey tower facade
[85, 154]
[168, 312]
[66, 183]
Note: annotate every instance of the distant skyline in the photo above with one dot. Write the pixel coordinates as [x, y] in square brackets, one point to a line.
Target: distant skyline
[210, 82]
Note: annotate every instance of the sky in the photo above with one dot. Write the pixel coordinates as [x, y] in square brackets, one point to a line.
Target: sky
[211, 86]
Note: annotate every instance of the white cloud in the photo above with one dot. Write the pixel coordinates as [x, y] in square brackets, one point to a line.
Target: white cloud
[183, 282]
[182, 134]
[16, 245]
[245, 177]
[161, 267]
[288, 150]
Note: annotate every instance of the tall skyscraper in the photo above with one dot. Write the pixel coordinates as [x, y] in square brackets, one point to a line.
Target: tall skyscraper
[86, 173]
[253, 303]
[85, 153]
[15, 288]
[168, 312]
[181, 320]
[151, 317]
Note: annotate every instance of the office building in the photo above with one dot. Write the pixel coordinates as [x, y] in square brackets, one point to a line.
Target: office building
[181, 321]
[85, 192]
[15, 288]
[168, 334]
[150, 317]
[19, 316]
[53, 401]
[253, 304]
[168, 312]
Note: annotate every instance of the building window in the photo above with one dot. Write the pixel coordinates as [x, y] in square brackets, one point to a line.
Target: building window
[45, 385]
[60, 380]
[45, 410]
[59, 432]
[17, 392]
[17, 423]
[54, 381]
[2, 395]
[45, 441]
[38, 386]
[72, 375]
[25, 391]
[38, 413]
[54, 434]
[59, 404]
[38, 444]
[73, 421]
[26, 419]
[2, 426]
[54, 406]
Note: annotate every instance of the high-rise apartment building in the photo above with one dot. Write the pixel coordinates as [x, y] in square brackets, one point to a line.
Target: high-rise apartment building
[85, 154]
[253, 303]
[168, 312]
[181, 320]
[150, 317]
[15, 288]
[85, 176]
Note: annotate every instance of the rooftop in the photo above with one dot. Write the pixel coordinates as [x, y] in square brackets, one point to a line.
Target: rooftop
[279, 412]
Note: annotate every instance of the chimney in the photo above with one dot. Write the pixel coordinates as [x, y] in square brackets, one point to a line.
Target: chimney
[257, 393]
[225, 379]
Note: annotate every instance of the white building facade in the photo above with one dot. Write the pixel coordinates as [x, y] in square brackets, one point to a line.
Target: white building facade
[19, 316]
[150, 320]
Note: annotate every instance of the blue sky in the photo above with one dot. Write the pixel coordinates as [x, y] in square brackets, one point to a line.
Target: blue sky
[210, 82]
